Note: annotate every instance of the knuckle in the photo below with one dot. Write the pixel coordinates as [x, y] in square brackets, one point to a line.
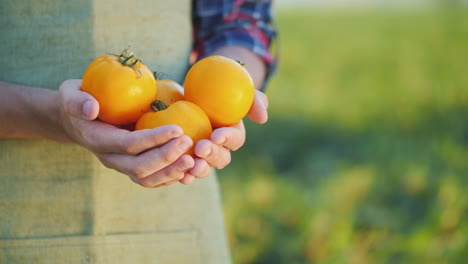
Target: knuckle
[67, 105]
[171, 175]
[225, 161]
[63, 92]
[206, 172]
[138, 172]
[236, 147]
[141, 182]
[91, 139]
[146, 184]
[128, 146]
[168, 155]
[239, 143]
[105, 162]
[63, 85]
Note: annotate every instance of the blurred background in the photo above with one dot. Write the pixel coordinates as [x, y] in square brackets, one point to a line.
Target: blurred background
[365, 156]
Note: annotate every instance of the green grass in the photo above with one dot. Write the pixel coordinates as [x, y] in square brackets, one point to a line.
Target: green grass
[365, 156]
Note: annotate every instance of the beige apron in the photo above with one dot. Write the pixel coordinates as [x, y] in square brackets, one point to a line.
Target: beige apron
[58, 204]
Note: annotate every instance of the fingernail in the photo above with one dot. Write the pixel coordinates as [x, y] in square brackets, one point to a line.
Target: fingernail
[184, 145]
[176, 133]
[87, 109]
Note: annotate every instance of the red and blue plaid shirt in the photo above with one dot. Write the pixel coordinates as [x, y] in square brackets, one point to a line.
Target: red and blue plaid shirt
[246, 23]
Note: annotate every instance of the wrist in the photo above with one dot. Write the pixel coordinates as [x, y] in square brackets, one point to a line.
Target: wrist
[54, 117]
[30, 113]
[44, 107]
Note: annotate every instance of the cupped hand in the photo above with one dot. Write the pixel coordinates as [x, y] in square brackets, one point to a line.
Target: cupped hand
[216, 152]
[150, 157]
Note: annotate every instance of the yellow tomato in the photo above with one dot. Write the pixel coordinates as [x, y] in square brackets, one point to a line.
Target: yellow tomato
[222, 88]
[184, 114]
[123, 86]
[169, 91]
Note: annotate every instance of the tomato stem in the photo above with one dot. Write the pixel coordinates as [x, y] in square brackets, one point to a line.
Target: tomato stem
[241, 63]
[129, 59]
[158, 105]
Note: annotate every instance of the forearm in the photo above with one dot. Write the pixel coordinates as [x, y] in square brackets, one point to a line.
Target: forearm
[27, 112]
[254, 65]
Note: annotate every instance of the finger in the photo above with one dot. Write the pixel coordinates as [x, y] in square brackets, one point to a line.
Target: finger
[77, 103]
[201, 168]
[149, 162]
[102, 137]
[232, 137]
[262, 97]
[216, 156]
[170, 174]
[187, 179]
[258, 111]
[141, 140]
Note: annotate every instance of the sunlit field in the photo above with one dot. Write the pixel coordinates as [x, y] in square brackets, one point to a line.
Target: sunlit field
[365, 156]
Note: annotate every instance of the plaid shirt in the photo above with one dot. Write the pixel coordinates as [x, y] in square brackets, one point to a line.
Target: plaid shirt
[246, 23]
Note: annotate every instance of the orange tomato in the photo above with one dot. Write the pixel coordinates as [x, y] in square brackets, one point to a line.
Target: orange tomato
[169, 91]
[187, 115]
[123, 86]
[222, 88]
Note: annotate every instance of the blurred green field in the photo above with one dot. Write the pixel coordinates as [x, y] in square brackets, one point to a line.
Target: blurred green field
[365, 156]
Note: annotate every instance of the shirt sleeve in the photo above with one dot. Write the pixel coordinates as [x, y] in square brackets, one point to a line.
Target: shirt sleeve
[246, 23]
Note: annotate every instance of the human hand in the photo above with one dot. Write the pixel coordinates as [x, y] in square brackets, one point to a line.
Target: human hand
[151, 157]
[216, 152]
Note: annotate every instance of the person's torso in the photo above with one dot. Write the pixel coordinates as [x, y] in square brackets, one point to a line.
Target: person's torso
[59, 196]
[46, 42]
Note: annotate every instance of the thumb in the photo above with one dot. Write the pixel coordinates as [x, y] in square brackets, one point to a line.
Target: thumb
[76, 102]
[258, 112]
